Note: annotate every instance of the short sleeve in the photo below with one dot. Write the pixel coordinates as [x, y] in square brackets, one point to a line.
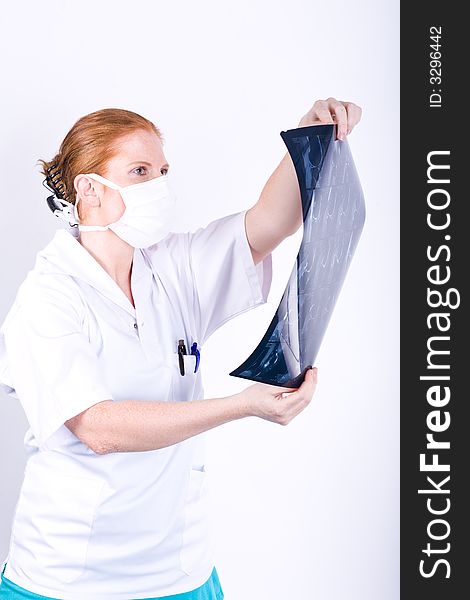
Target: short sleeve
[226, 280]
[48, 363]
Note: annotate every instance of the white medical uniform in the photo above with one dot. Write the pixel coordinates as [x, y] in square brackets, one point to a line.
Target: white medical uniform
[125, 524]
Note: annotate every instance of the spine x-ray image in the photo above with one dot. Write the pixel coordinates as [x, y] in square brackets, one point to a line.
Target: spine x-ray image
[333, 217]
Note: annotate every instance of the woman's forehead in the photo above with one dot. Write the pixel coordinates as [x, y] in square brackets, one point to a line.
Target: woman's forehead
[139, 146]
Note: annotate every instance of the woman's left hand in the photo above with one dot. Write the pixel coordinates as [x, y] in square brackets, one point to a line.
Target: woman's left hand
[345, 114]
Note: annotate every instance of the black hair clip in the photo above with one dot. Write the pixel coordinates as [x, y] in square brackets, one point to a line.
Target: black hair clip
[54, 182]
[57, 202]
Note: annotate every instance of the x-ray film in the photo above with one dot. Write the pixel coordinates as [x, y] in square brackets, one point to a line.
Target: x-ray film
[333, 217]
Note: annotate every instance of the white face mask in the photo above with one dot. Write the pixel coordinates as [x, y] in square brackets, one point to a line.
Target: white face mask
[149, 213]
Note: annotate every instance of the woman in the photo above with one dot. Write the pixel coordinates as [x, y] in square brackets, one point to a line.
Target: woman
[101, 347]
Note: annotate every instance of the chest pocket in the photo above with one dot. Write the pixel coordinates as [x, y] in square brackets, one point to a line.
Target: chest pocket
[183, 386]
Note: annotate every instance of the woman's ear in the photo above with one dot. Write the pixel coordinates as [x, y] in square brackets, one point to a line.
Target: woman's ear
[89, 191]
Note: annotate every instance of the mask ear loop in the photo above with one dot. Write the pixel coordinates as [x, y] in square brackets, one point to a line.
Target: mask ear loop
[103, 180]
[107, 183]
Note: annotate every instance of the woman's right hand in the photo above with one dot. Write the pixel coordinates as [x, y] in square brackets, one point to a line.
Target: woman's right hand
[279, 404]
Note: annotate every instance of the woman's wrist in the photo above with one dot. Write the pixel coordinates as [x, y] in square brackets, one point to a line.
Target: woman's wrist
[243, 405]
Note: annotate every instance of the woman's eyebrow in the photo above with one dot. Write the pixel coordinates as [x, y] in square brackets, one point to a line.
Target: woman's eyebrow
[144, 162]
[140, 162]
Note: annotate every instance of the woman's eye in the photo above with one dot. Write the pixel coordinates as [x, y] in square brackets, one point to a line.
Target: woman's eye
[140, 170]
[164, 169]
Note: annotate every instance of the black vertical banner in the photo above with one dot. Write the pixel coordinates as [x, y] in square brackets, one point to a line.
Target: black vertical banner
[435, 232]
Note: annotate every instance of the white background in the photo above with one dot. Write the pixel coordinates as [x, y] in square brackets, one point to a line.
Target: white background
[306, 511]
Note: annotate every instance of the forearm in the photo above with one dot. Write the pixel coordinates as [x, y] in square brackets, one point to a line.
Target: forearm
[278, 212]
[140, 425]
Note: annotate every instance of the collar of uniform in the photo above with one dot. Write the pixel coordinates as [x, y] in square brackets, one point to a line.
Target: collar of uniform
[65, 254]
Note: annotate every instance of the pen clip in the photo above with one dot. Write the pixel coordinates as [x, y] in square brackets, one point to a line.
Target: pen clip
[194, 350]
[181, 351]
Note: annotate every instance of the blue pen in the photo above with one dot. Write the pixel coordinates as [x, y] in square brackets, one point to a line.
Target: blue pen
[194, 350]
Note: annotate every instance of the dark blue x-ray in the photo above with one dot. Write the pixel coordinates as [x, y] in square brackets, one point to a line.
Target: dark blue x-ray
[333, 217]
